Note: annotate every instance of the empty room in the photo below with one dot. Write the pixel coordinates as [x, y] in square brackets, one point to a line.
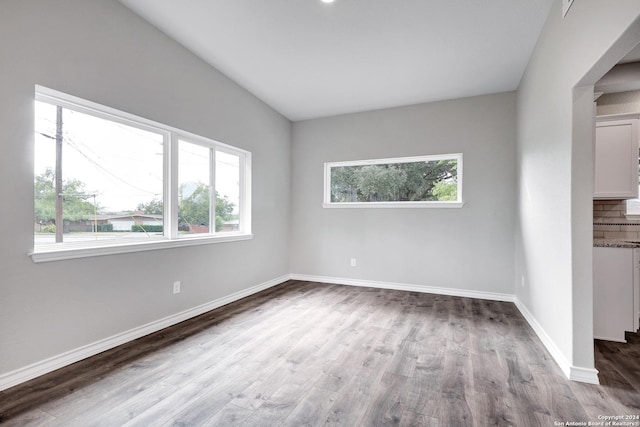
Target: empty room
[310, 212]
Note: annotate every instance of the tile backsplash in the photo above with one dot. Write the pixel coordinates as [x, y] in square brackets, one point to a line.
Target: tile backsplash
[610, 222]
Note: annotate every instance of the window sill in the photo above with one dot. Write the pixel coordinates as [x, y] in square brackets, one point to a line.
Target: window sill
[414, 205]
[64, 252]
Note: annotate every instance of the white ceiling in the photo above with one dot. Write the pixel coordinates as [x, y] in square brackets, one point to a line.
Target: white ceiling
[308, 59]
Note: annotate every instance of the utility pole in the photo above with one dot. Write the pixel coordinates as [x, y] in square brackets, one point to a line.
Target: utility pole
[59, 217]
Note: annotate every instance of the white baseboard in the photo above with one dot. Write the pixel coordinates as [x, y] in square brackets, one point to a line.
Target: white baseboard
[406, 287]
[584, 375]
[557, 355]
[56, 362]
[574, 373]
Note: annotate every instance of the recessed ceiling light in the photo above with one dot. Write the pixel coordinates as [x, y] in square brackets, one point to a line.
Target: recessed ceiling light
[328, 1]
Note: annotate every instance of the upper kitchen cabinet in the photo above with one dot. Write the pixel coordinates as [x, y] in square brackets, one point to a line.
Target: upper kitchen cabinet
[616, 159]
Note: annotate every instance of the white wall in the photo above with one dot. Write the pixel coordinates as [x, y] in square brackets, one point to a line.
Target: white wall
[554, 223]
[100, 51]
[469, 248]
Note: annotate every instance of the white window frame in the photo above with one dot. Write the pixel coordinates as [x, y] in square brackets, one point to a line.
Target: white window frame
[399, 204]
[171, 238]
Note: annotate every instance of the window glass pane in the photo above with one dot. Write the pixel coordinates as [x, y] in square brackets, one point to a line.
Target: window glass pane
[423, 181]
[227, 192]
[194, 196]
[110, 173]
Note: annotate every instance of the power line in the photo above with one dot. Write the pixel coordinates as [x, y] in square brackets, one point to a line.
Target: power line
[103, 169]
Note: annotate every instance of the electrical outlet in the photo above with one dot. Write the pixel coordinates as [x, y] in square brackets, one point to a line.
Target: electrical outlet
[522, 281]
[176, 287]
[354, 262]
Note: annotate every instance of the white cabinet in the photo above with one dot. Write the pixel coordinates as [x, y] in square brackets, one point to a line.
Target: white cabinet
[616, 159]
[616, 290]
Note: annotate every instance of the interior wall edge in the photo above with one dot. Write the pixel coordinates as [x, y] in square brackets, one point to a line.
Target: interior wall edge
[46, 366]
[574, 373]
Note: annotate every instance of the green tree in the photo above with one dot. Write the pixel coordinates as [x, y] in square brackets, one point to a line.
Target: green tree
[380, 182]
[75, 205]
[343, 185]
[154, 207]
[224, 210]
[423, 178]
[413, 181]
[445, 191]
[194, 206]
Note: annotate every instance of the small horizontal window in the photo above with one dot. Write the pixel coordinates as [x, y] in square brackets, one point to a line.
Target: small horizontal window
[420, 182]
[107, 179]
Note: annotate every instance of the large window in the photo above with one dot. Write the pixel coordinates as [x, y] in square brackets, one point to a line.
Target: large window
[108, 179]
[423, 181]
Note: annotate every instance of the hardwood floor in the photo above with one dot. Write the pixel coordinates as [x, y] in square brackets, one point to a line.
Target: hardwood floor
[305, 354]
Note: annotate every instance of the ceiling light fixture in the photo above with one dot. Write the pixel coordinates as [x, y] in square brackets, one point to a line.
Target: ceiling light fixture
[328, 1]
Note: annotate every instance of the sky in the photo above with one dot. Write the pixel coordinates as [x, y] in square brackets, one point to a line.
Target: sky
[121, 164]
